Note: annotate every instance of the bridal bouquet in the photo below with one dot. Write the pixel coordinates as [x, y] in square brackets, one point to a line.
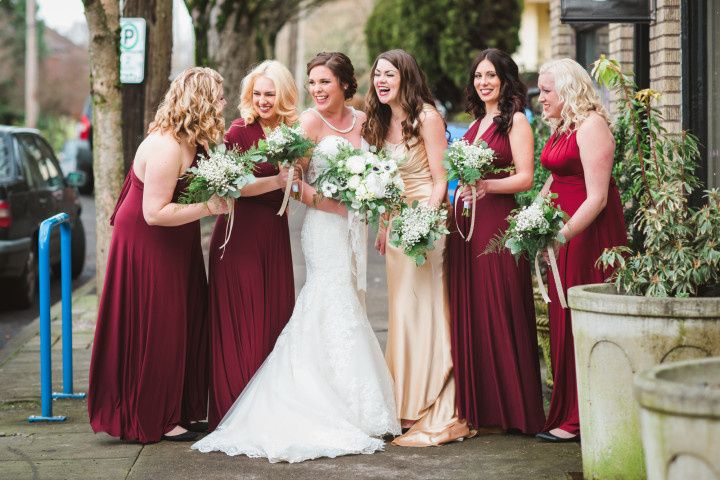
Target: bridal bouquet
[468, 163]
[368, 183]
[283, 147]
[532, 230]
[416, 229]
[223, 173]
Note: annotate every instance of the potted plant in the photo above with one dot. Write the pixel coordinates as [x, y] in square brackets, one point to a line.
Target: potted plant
[658, 305]
[680, 416]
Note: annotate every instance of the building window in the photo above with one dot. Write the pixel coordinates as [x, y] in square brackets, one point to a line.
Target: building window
[590, 40]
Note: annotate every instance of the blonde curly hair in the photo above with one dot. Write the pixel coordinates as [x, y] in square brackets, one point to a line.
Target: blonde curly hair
[577, 92]
[192, 107]
[286, 92]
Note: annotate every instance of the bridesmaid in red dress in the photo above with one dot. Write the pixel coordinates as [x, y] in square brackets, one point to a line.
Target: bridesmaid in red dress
[579, 153]
[148, 373]
[494, 341]
[252, 291]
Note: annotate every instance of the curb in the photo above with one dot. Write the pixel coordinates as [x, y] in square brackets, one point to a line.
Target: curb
[33, 328]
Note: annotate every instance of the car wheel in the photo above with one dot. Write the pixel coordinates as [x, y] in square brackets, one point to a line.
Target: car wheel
[25, 288]
[78, 248]
[87, 188]
[84, 163]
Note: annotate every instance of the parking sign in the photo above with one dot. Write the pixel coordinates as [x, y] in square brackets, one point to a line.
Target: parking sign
[132, 50]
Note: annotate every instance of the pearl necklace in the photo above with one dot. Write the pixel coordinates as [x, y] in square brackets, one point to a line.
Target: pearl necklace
[332, 127]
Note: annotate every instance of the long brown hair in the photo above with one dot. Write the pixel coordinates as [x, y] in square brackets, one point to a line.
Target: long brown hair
[513, 91]
[413, 94]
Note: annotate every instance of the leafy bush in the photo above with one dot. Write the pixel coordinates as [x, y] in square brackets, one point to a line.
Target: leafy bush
[444, 36]
[541, 133]
[680, 252]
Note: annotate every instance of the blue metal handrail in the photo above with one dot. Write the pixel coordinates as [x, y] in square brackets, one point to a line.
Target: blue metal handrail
[63, 221]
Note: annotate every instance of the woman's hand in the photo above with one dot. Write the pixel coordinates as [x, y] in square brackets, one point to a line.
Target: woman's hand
[480, 191]
[218, 205]
[282, 176]
[381, 240]
[555, 248]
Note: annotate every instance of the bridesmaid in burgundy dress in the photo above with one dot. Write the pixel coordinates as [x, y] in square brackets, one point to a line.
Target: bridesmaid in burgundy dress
[148, 373]
[252, 292]
[579, 154]
[494, 339]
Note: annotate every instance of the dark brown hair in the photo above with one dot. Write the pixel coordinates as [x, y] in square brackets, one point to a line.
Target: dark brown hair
[513, 92]
[341, 66]
[413, 94]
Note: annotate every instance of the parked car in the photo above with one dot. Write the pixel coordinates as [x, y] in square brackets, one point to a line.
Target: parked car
[77, 153]
[32, 189]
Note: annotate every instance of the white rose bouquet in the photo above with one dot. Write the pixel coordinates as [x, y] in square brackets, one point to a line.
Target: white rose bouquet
[416, 229]
[368, 183]
[283, 147]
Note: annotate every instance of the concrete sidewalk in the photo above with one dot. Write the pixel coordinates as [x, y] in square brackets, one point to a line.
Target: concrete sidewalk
[70, 450]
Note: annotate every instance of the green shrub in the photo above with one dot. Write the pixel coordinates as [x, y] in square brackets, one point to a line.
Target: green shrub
[676, 251]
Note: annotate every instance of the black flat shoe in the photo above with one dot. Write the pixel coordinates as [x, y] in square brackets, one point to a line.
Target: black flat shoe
[198, 427]
[549, 437]
[183, 437]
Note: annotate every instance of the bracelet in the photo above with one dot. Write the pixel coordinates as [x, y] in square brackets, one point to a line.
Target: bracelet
[207, 207]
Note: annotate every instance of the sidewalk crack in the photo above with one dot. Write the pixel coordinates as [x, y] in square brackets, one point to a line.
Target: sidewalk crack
[134, 462]
[27, 460]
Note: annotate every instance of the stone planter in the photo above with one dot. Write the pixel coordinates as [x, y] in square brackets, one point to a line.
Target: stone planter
[680, 419]
[617, 336]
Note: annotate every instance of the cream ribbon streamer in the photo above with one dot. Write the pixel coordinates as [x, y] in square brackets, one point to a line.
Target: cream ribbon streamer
[228, 227]
[288, 187]
[472, 214]
[556, 277]
[357, 230]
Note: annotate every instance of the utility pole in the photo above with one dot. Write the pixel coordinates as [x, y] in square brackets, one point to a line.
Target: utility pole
[31, 66]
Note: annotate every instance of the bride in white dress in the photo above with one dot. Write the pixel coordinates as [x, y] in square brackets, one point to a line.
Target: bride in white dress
[325, 389]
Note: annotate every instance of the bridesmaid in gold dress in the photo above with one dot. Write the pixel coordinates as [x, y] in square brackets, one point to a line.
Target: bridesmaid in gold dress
[403, 120]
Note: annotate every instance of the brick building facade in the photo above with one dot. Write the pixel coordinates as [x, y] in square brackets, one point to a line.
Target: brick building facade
[676, 54]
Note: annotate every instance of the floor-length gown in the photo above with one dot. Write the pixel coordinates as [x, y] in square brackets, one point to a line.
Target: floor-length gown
[576, 264]
[418, 345]
[149, 364]
[324, 390]
[252, 290]
[494, 342]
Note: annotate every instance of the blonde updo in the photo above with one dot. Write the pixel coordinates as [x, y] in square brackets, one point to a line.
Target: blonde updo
[192, 107]
[286, 92]
[577, 92]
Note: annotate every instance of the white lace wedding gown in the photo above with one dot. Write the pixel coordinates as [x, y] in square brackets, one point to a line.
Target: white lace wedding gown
[325, 389]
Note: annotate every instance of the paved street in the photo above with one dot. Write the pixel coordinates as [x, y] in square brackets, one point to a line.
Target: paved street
[13, 320]
[70, 450]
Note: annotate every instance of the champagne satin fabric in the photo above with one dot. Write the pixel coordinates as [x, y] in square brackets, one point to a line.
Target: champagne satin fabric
[418, 346]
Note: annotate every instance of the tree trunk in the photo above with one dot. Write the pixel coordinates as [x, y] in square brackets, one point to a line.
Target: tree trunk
[159, 63]
[140, 101]
[232, 36]
[232, 52]
[103, 25]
